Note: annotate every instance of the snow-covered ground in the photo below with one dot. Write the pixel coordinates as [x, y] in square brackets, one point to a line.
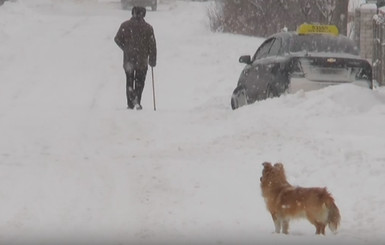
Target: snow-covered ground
[76, 166]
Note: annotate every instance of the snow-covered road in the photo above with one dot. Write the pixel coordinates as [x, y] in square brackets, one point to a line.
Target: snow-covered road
[75, 165]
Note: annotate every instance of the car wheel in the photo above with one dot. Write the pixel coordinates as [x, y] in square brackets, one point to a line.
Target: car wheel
[124, 4]
[239, 98]
[271, 92]
[154, 7]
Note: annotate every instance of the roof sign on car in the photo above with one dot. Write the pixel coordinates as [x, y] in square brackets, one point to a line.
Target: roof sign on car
[317, 29]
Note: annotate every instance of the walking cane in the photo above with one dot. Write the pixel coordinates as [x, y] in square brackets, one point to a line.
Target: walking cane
[153, 88]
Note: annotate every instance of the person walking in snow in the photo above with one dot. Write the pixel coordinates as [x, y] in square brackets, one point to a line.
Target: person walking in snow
[137, 40]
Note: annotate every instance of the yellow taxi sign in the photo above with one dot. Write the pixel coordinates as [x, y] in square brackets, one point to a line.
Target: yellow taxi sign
[317, 29]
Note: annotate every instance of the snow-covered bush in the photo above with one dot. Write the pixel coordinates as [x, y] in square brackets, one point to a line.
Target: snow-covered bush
[265, 17]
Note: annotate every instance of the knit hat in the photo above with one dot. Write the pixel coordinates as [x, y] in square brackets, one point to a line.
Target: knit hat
[138, 11]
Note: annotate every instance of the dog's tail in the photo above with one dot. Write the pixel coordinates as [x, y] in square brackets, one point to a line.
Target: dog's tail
[334, 216]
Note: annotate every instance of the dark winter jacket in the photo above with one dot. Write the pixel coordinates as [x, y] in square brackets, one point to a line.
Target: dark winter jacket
[137, 40]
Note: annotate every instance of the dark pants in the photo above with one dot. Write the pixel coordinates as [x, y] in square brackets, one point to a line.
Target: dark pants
[134, 86]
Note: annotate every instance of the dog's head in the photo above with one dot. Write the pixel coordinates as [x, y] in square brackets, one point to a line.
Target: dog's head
[272, 175]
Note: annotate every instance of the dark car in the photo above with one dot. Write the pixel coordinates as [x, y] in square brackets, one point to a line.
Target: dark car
[311, 58]
[127, 4]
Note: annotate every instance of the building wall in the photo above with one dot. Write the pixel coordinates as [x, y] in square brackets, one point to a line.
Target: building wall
[365, 29]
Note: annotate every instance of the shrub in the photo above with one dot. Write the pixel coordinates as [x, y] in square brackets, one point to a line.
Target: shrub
[265, 17]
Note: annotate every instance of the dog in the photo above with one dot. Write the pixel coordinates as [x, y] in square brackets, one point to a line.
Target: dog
[286, 202]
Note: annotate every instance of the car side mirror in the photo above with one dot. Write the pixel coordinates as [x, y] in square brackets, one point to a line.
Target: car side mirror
[246, 59]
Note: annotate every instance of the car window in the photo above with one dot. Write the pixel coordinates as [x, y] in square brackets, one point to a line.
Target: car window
[275, 47]
[323, 43]
[263, 50]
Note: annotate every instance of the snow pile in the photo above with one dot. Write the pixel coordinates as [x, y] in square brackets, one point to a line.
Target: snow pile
[75, 165]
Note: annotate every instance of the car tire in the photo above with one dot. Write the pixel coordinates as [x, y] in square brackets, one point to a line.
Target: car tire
[154, 7]
[271, 92]
[124, 4]
[239, 98]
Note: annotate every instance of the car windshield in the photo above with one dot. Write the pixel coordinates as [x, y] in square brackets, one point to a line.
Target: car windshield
[323, 43]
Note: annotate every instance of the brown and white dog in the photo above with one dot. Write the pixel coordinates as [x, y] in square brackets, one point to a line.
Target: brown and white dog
[286, 202]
